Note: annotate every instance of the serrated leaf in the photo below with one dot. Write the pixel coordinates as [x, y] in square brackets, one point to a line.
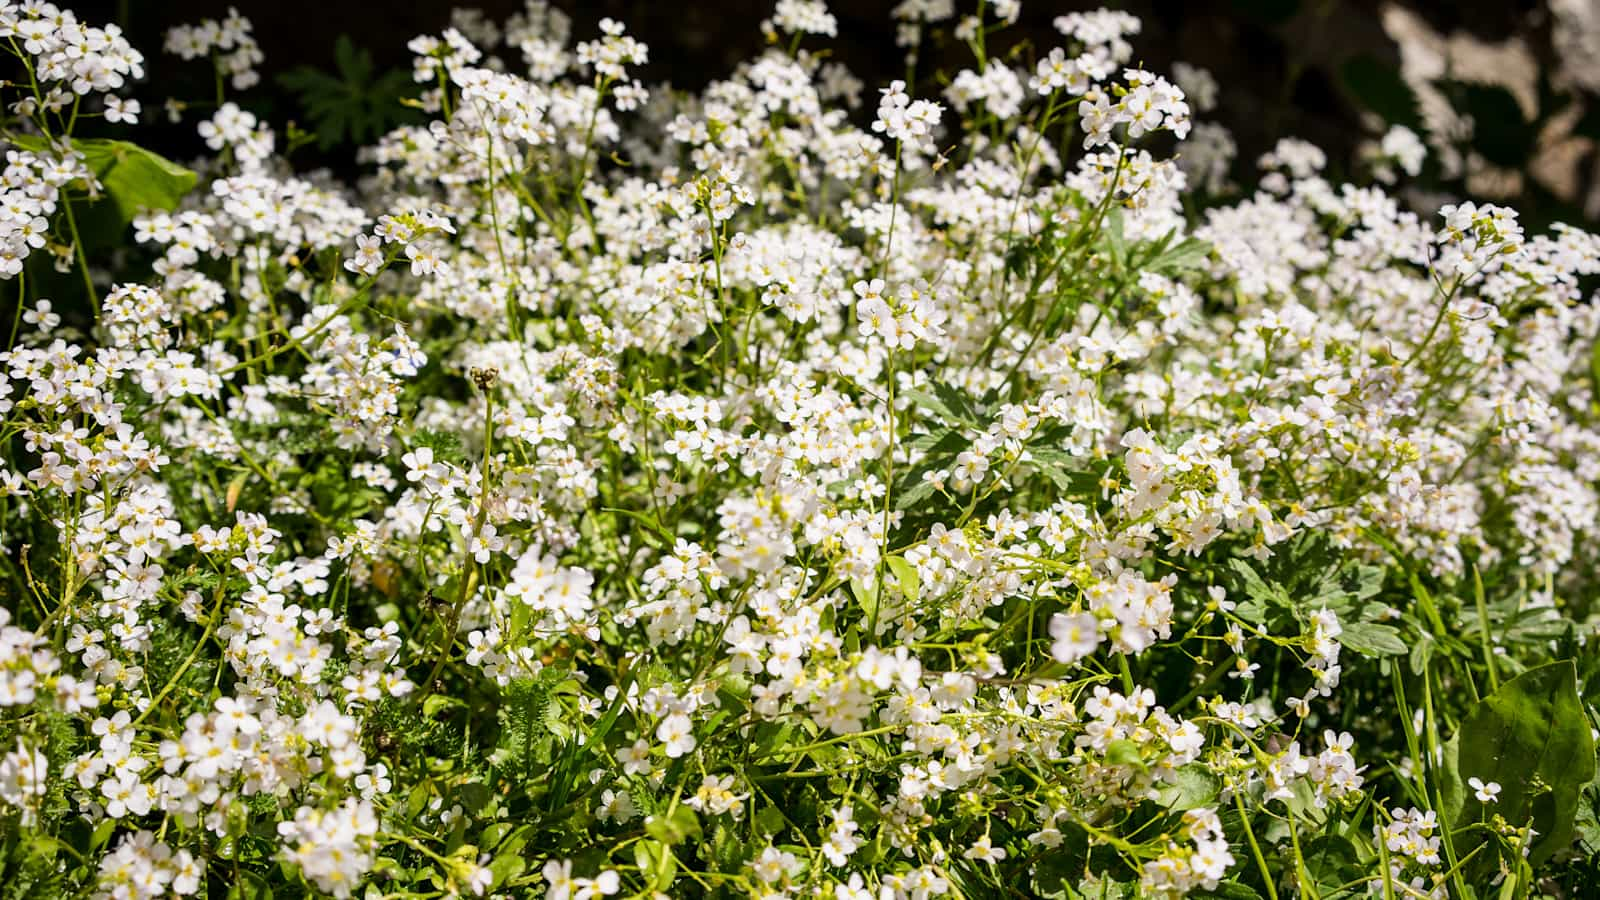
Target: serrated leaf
[354, 104]
[354, 63]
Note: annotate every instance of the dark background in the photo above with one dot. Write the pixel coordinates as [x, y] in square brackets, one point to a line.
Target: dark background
[1280, 63]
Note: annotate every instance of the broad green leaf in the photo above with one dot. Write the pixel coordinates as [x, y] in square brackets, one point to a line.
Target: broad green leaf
[506, 867]
[674, 827]
[1331, 860]
[135, 179]
[1196, 786]
[1532, 737]
[1124, 752]
[656, 863]
[945, 442]
[866, 596]
[912, 495]
[1372, 639]
[906, 574]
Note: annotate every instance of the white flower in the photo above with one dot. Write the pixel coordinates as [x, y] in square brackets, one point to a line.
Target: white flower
[676, 735]
[119, 110]
[22, 781]
[984, 851]
[1076, 636]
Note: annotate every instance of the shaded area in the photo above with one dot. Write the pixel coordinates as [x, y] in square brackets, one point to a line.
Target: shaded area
[1286, 67]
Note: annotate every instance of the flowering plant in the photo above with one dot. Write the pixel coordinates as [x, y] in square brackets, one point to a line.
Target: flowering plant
[628, 492]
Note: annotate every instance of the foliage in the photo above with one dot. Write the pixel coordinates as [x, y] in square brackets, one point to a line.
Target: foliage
[623, 492]
[354, 104]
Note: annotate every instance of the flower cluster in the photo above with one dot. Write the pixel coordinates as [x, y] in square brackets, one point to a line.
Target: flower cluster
[632, 492]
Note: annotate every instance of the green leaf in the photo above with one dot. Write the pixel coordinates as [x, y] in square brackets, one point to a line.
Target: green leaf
[866, 596]
[1059, 870]
[1331, 860]
[1532, 737]
[1196, 786]
[1186, 254]
[1372, 639]
[946, 402]
[1061, 468]
[1421, 652]
[102, 834]
[1124, 752]
[355, 104]
[506, 867]
[135, 179]
[942, 442]
[1115, 236]
[912, 495]
[906, 574]
[249, 886]
[1263, 598]
[656, 863]
[526, 717]
[1229, 890]
[1587, 821]
[438, 703]
[674, 827]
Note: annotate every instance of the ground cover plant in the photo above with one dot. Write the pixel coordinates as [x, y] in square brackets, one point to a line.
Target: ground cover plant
[798, 489]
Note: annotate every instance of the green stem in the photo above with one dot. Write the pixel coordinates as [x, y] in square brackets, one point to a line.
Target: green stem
[1255, 848]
